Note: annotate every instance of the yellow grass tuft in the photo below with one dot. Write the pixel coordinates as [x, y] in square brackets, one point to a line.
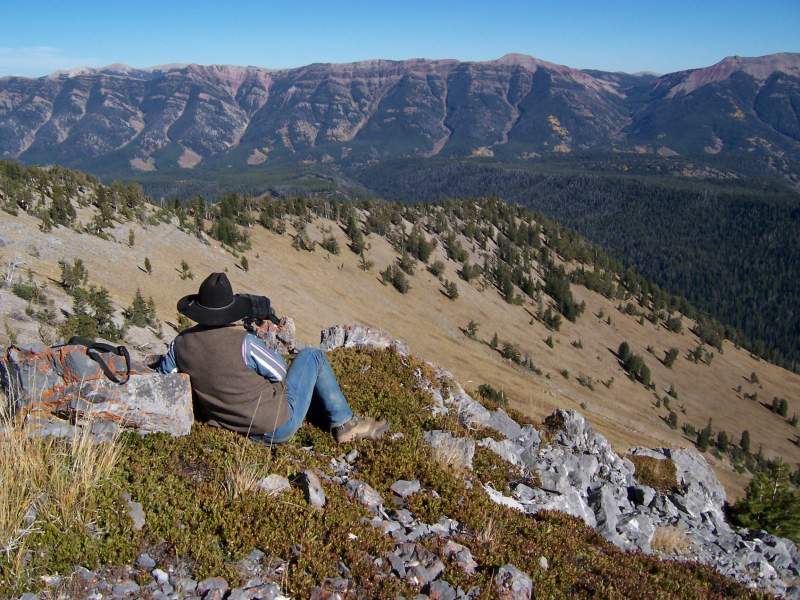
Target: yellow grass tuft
[670, 540]
[241, 476]
[47, 479]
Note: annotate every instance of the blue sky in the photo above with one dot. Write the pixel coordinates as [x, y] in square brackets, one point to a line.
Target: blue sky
[40, 37]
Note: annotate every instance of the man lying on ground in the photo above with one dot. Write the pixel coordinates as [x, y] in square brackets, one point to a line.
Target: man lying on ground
[240, 384]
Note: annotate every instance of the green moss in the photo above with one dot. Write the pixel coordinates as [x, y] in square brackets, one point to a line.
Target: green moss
[180, 483]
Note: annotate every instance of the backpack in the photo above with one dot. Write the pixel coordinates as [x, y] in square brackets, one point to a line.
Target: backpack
[61, 378]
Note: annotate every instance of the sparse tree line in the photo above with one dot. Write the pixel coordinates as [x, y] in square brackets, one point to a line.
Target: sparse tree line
[495, 244]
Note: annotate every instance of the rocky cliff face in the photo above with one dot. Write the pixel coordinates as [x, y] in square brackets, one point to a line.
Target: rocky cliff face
[517, 107]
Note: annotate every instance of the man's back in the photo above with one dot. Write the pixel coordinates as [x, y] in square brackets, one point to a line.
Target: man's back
[228, 393]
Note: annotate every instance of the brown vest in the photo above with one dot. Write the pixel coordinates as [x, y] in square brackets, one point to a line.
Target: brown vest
[228, 393]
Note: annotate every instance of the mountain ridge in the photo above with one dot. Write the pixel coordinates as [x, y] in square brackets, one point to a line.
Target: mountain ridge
[120, 120]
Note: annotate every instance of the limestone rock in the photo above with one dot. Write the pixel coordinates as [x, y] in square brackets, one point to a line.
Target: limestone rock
[512, 584]
[360, 336]
[451, 450]
[274, 484]
[405, 488]
[312, 488]
[364, 494]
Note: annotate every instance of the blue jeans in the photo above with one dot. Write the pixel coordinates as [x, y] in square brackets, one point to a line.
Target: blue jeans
[310, 379]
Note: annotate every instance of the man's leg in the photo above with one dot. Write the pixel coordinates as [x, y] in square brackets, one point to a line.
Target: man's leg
[309, 377]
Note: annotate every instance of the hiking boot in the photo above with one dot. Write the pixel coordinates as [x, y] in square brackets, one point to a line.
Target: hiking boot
[360, 428]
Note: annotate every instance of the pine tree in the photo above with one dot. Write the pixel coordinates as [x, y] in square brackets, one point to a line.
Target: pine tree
[624, 352]
[137, 313]
[131, 238]
[244, 263]
[472, 329]
[494, 341]
[74, 275]
[437, 268]
[451, 289]
[704, 437]
[330, 244]
[185, 271]
[670, 356]
[363, 263]
[771, 503]
[672, 420]
[744, 442]
[148, 266]
[723, 442]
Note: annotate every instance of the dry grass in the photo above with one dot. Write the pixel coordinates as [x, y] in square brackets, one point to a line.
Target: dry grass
[241, 475]
[670, 540]
[488, 535]
[44, 478]
[659, 474]
[318, 292]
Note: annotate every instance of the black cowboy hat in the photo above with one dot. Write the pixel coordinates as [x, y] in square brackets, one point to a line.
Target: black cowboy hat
[215, 303]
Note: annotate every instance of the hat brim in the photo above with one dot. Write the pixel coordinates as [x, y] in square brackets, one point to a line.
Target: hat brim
[235, 311]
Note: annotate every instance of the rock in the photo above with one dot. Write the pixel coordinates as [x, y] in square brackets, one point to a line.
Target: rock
[605, 508]
[523, 493]
[418, 532]
[507, 450]
[452, 451]
[702, 490]
[364, 494]
[274, 484]
[405, 488]
[462, 556]
[125, 588]
[184, 584]
[147, 404]
[441, 590]
[641, 495]
[282, 339]
[571, 503]
[331, 589]
[444, 527]
[512, 584]
[212, 584]
[351, 456]
[360, 336]
[160, 576]
[312, 488]
[135, 512]
[46, 425]
[637, 529]
[69, 383]
[145, 561]
[543, 563]
[29, 596]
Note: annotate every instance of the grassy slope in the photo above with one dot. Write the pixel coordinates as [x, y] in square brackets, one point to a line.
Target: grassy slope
[192, 521]
[318, 289]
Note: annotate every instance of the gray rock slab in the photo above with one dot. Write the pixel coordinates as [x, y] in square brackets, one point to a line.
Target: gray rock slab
[512, 584]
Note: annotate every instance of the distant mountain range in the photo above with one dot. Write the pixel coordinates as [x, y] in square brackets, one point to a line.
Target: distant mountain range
[121, 120]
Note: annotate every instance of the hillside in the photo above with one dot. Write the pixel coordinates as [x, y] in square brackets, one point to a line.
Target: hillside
[527, 315]
[179, 119]
[449, 505]
[727, 244]
[580, 370]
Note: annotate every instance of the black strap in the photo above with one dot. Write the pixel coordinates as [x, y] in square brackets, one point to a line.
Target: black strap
[92, 351]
